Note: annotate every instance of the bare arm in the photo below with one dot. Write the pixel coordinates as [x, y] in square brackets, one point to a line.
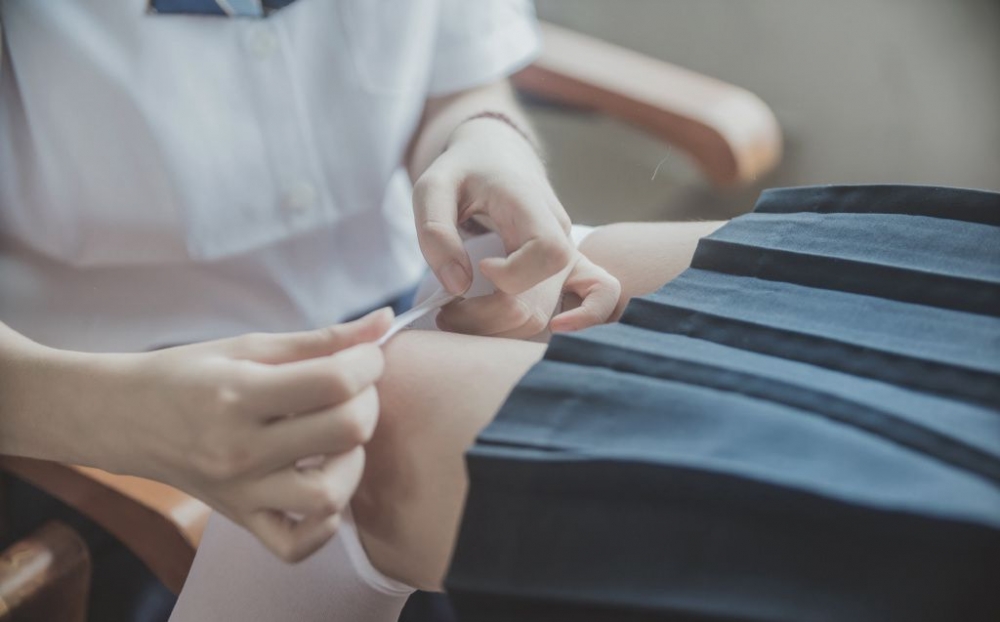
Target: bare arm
[30, 425]
[443, 114]
[210, 419]
[410, 500]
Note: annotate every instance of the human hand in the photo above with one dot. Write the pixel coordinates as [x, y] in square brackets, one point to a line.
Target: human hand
[490, 172]
[228, 420]
[583, 294]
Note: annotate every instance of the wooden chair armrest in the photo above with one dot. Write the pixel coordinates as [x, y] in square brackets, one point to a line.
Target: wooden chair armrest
[731, 134]
[45, 576]
[160, 524]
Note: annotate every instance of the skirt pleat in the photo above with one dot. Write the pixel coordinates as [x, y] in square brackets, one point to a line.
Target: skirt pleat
[805, 425]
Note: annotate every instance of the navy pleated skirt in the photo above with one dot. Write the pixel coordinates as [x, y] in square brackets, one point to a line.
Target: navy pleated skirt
[805, 425]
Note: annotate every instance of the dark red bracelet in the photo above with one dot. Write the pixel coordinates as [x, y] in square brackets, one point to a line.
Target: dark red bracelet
[499, 116]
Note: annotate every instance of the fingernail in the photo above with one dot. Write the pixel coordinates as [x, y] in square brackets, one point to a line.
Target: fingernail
[383, 313]
[454, 278]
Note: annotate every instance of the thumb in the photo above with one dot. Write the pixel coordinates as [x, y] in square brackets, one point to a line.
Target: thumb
[435, 210]
[279, 348]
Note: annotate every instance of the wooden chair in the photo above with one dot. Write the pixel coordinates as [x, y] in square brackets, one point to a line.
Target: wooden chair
[45, 576]
[729, 132]
[160, 524]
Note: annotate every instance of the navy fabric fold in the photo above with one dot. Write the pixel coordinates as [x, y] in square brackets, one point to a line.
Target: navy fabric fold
[947, 264]
[807, 396]
[621, 540]
[961, 204]
[804, 425]
[630, 348]
[925, 347]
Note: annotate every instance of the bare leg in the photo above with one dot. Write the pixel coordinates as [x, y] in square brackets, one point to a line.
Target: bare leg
[645, 255]
[440, 390]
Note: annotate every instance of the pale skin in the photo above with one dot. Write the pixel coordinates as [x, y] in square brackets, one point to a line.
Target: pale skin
[213, 419]
[439, 389]
[410, 500]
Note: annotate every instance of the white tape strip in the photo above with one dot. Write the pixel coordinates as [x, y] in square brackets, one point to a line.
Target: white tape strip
[437, 300]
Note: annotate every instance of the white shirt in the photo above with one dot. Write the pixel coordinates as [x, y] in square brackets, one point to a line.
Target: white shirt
[173, 178]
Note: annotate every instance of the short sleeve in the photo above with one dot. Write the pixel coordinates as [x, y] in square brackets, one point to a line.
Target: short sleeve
[481, 41]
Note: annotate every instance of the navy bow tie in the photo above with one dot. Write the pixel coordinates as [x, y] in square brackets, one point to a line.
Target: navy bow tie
[226, 8]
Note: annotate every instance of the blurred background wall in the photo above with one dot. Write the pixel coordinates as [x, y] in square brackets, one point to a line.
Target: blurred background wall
[865, 91]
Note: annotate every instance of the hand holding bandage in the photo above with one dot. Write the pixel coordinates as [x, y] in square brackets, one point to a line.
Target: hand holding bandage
[230, 420]
[581, 295]
[491, 173]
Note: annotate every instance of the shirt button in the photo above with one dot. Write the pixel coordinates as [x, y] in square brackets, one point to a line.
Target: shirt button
[300, 197]
[262, 43]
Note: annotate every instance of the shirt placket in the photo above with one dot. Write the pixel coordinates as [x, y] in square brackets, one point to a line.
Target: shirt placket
[301, 197]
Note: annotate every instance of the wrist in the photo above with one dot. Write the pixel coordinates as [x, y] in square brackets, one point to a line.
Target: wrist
[494, 130]
[519, 128]
[20, 361]
[48, 403]
[20, 365]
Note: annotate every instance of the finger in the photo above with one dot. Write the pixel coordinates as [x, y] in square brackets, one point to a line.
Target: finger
[557, 209]
[494, 315]
[536, 260]
[320, 491]
[289, 539]
[278, 348]
[435, 210]
[314, 384]
[328, 432]
[599, 292]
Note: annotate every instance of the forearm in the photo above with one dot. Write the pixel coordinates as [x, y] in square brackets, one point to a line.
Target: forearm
[41, 413]
[443, 114]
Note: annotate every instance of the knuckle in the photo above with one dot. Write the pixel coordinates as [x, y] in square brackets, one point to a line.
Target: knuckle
[325, 501]
[320, 494]
[248, 341]
[529, 318]
[436, 230]
[220, 461]
[426, 185]
[355, 428]
[244, 374]
[521, 312]
[360, 368]
[342, 384]
[431, 185]
[556, 251]
[326, 334]
[229, 399]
